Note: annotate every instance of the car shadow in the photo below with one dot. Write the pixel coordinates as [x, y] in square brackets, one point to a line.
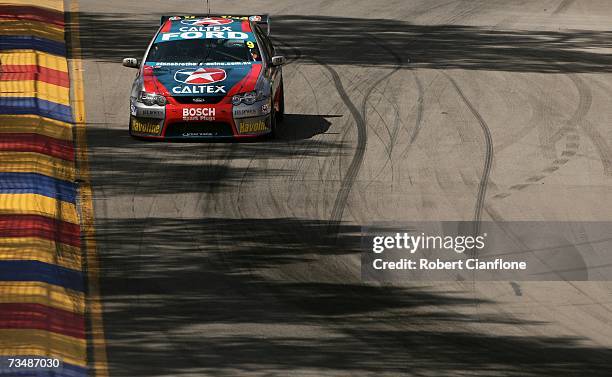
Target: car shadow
[302, 126]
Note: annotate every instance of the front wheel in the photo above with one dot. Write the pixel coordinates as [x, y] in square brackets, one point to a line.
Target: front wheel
[273, 124]
[280, 115]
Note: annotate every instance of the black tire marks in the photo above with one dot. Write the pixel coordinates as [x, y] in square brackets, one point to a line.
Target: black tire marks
[357, 160]
[602, 147]
[360, 117]
[488, 160]
[563, 6]
[570, 131]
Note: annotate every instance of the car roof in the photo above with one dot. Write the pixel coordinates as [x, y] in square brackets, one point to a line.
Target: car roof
[205, 27]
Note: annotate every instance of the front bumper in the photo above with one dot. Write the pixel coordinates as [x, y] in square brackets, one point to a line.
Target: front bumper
[189, 121]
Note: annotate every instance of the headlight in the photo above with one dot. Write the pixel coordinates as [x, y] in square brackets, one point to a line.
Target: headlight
[249, 98]
[151, 99]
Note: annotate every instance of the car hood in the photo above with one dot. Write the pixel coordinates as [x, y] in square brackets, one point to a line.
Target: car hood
[211, 79]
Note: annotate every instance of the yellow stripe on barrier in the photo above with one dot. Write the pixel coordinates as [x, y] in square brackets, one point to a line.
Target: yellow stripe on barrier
[37, 125]
[51, 4]
[42, 250]
[33, 28]
[34, 204]
[37, 89]
[31, 162]
[32, 57]
[34, 292]
[43, 343]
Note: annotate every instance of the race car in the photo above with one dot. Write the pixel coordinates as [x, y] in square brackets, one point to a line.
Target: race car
[208, 77]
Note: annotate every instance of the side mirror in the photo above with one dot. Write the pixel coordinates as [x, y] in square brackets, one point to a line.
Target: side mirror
[131, 63]
[278, 61]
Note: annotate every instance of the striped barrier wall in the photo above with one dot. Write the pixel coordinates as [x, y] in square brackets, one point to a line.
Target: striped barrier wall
[42, 283]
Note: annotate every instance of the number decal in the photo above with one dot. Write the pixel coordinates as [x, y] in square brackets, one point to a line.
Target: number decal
[250, 44]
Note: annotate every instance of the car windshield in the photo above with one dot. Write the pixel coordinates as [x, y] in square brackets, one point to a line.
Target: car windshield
[204, 51]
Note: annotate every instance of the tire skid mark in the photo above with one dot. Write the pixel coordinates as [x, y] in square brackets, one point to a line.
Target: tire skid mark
[397, 122]
[602, 147]
[361, 122]
[572, 141]
[357, 160]
[420, 108]
[398, 66]
[488, 163]
[563, 6]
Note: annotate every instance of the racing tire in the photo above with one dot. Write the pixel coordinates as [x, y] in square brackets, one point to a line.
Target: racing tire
[280, 115]
[273, 124]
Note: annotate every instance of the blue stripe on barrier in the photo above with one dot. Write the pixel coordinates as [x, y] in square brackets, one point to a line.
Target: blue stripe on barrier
[36, 106]
[66, 370]
[32, 183]
[43, 272]
[18, 42]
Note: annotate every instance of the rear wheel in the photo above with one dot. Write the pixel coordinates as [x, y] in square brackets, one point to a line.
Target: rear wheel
[277, 116]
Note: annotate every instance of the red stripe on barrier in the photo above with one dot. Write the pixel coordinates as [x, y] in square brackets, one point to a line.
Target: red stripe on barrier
[40, 226]
[40, 317]
[32, 13]
[17, 142]
[33, 72]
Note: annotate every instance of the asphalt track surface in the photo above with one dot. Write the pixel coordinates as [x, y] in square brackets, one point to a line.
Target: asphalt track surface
[241, 259]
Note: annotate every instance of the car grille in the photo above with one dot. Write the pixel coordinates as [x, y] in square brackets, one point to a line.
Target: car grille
[199, 129]
[209, 100]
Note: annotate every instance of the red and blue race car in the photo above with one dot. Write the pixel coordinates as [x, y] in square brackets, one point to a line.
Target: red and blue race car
[208, 77]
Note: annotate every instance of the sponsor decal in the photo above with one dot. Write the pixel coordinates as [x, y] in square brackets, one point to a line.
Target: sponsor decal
[199, 90]
[149, 113]
[197, 134]
[145, 126]
[207, 21]
[175, 18]
[198, 81]
[199, 99]
[200, 76]
[189, 64]
[199, 114]
[205, 35]
[205, 28]
[252, 126]
[132, 109]
[265, 108]
[248, 112]
[255, 18]
[242, 18]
